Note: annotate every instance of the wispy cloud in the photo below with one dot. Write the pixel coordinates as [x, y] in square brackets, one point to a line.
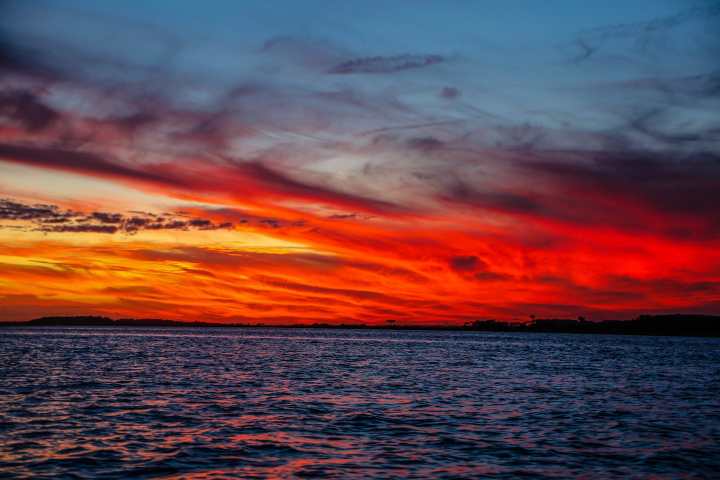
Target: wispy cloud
[549, 160]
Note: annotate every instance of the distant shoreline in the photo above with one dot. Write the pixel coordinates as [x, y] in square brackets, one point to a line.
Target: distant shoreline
[662, 325]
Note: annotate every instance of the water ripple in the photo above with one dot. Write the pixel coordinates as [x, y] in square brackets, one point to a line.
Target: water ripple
[258, 403]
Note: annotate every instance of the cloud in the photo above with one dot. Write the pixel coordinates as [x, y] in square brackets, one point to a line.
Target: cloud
[270, 183]
[11, 210]
[504, 176]
[646, 183]
[77, 161]
[380, 64]
[25, 107]
[465, 263]
[473, 267]
[80, 228]
[51, 218]
[104, 217]
[450, 92]
[342, 292]
[425, 144]
[506, 202]
[647, 35]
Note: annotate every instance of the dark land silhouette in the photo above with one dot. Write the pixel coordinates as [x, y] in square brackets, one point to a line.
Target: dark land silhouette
[671, 324]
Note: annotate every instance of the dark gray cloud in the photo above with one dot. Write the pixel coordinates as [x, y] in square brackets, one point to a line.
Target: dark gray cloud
[425, 143]
[471, 265]
[380, 64]
[104, 217]
[27, 109]
[80, 228]
[682, 184]
[77, 161]
[466, 263]
[51, 218]
[671, 194]
[450, 92]
[11, 210]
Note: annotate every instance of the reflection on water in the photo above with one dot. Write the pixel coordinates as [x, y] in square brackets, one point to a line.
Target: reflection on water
[259, 403]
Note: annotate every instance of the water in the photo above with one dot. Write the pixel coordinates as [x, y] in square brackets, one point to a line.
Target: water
[261, 403]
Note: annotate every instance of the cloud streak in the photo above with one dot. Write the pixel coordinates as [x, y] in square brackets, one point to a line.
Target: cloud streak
[390, 64]
[51, 218]
[564, 163]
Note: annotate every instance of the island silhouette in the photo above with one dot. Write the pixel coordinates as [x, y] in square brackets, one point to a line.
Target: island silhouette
[667, 324]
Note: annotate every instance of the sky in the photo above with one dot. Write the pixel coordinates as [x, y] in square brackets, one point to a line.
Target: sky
[422, 162]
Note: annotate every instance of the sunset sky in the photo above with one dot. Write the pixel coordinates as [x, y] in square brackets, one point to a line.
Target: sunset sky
[427, 162]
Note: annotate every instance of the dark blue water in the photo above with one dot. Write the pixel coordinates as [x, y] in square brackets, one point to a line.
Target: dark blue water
[255, 403]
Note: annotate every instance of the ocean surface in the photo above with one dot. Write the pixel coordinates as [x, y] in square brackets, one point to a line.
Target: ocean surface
[310, 403]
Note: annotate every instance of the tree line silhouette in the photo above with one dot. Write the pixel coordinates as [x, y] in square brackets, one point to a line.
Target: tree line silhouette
[670, 324]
